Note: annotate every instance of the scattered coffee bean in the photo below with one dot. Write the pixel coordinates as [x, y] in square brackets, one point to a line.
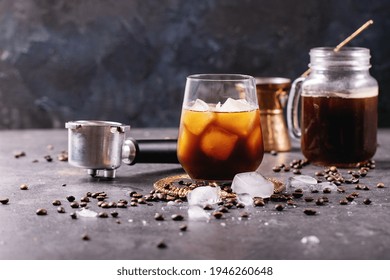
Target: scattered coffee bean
[104, 205]
[70, 198]
[309, 198]
[74, 204]
[23, 187]
[325, 199]
[320, 202]
[84, 199]
[137, 195]
[85, 237]
[366, 188]
[319, 174]
[276, 169]
[314, 191]
[367, 201]
[350, 198]
[291, 202]
[48, 158]
[326, 190]
[100, 197]
[132, 204]
[19, 154]
[340, 190]
[141, 201]
[159, 217]
[223, 209]
[88, 194]
[103, 215]
[380, 185]
[208, 207]
[94, 195]
[279, 207]
[124, 205]
[310, 212]
[161, 245]
[61, 209]
[343, 201]
[355, 194]
[244, 215]
[73, 215]
[258, 202]
[286, 169]
[114, 214]
[100, 203]
[273, 152]
[297, 172]
[217, 214]
[240, 205]
[41, 212]
[177, 217]
[83, 204]
[4, 200]
[296, 194]
[333, 169]
[183, 227]
[56, 202]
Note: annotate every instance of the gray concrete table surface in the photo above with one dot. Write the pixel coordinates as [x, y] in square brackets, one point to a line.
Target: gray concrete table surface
[353, 231]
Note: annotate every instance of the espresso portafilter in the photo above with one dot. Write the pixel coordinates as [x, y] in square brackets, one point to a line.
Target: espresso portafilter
[102, 146]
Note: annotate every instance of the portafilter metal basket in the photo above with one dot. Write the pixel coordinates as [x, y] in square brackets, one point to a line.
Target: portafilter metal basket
[103, 146]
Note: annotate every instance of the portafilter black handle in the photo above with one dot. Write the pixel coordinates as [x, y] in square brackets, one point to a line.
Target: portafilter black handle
[149, 151]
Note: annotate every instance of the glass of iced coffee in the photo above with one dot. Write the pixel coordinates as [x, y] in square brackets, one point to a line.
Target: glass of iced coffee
[220, 132]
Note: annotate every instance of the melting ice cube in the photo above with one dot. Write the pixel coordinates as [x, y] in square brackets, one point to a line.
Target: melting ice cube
[200, 105]
[245, 199]
[235, 105]
[203, 195]
[87, 213]
[252, 183]
[218, 143]
[321, 186]
[196, 212]
[304, 182]
[310, 240]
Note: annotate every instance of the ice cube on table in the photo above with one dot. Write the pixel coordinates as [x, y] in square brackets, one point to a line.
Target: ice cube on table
[321, 186]
[204, 195]
[235, 105]
[218, 143]
[87, 213]
[252, 183]
[245, 199]
[197, 213]
[304, 182]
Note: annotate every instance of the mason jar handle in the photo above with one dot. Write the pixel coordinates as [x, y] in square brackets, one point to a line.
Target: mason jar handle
[292, 108]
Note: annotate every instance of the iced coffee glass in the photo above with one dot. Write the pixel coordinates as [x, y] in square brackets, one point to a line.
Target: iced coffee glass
[220, 132]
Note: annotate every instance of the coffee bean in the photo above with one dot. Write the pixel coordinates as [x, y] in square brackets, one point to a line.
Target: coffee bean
[114, 214]
[217, 214]
[177, 217]
[83, 204]
[340, 190]
[56, 202]
[88, 194]
[137, 195]
[124, 205]
[258, 202]
[350, 198]
[279, 207]
[208, 207]
[325, 199]
[286, 169]
[48, 158]
[85, 237]
[104, 205]
[310, 212]
[314, 191]
[244, 215]
[73, 215]
[19, 154]
[297, 171]
[366, 188]
[158, 217]
[273, 152]
[100, 203]
[333, 168]
[223, 209]
[359, 187]
[380, 185]
[183, 227]
[100, 197]
[240, 205]
[320, 174]
[132, 204]
[320, 202]
[367, 201]
[103, 215]
[343, 201]
[61, 209]
[276, 169]
[326, 190]
[141, 200]
[355, 181]
[74, 204]
[123, 201]
[291, 202]
[4, 200]
[94, 195]
[354, 194]
[23, 187]
[70, 198]
[297, 194]
[229, 205]
[161, 245]
[84, 199]
[112, 204]
[41, 212]
[309, 198]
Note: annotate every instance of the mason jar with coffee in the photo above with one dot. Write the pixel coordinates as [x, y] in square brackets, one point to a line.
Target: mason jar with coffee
[338, 116]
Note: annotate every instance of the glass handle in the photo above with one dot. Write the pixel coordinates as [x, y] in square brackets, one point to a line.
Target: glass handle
[292, 108]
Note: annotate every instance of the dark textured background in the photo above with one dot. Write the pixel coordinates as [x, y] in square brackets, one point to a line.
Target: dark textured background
[127, 60]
